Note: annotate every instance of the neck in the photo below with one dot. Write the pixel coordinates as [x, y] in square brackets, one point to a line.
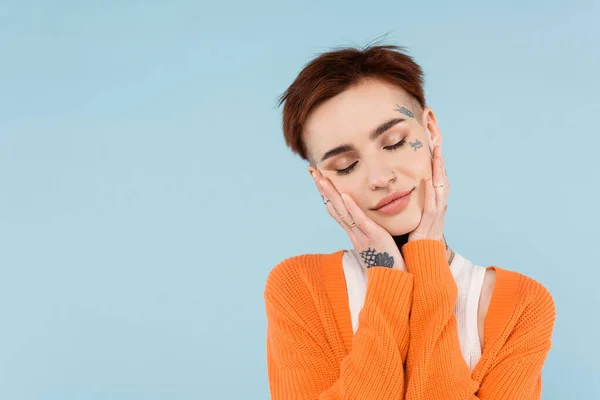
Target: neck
[401, 240]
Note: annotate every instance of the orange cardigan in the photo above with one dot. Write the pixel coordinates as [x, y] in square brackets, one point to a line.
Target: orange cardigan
[406, 345]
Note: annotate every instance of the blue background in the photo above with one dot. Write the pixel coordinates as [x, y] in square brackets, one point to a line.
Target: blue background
[146, 191]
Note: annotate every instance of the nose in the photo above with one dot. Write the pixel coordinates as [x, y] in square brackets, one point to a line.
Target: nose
[380, 177]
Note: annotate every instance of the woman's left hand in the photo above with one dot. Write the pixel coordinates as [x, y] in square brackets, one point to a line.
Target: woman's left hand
[432, 220]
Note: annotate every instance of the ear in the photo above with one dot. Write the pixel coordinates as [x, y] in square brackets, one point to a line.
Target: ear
[431, 128]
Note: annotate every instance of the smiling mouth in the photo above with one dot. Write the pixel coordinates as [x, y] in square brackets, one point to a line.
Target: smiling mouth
[395, 205]
[391, 198]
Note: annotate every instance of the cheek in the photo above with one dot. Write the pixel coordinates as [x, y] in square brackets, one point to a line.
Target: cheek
[416, 163]
[352, 186]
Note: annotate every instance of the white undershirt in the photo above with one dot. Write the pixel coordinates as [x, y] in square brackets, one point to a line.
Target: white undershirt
[469, 281]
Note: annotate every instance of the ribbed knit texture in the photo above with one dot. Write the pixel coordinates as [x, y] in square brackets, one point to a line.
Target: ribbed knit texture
[406, 345]
[469, 282]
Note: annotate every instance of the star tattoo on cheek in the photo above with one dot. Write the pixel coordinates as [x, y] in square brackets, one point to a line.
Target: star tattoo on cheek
[416, 145]
[405, 111]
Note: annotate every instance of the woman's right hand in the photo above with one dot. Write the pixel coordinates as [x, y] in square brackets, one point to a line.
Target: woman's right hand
[374, 244]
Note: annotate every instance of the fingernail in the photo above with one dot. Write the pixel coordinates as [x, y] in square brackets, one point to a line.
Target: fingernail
[345, 197]
[322, 182]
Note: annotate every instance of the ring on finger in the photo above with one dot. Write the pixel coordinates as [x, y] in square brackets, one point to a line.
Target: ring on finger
[438, 186]
[351, 225]
[326, 201]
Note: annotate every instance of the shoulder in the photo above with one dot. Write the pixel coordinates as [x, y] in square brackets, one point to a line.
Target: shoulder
[296, 289]
[528, 290]
[293, 269]
[299, 274]
[533, 303]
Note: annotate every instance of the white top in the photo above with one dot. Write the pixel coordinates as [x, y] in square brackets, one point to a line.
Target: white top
[469, 281]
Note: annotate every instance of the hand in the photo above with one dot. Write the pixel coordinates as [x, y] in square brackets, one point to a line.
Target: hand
[432, 224]
[374, 244]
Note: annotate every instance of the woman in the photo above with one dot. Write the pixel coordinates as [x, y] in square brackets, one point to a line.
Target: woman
[401, 315]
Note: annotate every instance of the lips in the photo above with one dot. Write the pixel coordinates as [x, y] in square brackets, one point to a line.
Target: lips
[392, 197]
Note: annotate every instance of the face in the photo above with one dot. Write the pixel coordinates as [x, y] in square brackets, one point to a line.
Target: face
[373, 141]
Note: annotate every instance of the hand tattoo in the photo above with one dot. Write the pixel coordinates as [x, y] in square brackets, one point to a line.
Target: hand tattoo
[405, 111]
[371, 259]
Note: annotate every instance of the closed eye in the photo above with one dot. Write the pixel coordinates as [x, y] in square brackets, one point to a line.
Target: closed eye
[395, 146]
[349, 168]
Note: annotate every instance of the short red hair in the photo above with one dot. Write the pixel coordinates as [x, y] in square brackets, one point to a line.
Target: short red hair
[333, 72]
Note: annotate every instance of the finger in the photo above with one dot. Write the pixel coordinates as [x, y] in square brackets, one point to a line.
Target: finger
[439, 184]
[332, 194]
[315, 176]
[436, 218]
[439, 179]
[334, 214]
[439, 154]
[444, 171]
[444, 174]
[356, 213]
[446, 182]
[331, 210]
[354, 232]
[429, 209]
[441, 193]
[428, 216]
[432, 197]
[328, 205]
[318, 178]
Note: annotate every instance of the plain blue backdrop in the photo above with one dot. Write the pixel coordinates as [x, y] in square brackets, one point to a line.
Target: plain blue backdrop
[146, 191]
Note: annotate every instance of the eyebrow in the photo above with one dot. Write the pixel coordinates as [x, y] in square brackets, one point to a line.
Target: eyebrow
[380, 130]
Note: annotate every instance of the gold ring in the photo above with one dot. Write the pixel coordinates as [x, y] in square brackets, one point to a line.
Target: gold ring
[353, 225]
[442, 185]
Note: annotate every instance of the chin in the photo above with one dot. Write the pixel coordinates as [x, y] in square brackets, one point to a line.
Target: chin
[401, 224]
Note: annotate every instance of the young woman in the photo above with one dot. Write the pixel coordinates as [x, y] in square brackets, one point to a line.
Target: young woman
[400, 315]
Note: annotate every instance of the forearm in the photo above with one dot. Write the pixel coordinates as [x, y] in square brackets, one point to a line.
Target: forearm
[435, 365]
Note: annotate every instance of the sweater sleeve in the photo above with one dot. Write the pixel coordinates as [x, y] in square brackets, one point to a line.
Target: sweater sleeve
[435, 365]
[302, 364]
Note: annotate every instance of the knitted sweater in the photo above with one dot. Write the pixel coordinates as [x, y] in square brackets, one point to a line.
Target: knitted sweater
[469, 283]
[406, 345]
